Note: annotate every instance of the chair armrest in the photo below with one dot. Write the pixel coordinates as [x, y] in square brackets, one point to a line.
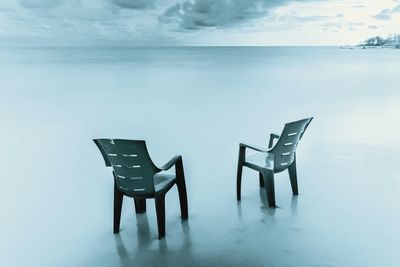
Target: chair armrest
[171, 163]
[256, 148]
[271, 139]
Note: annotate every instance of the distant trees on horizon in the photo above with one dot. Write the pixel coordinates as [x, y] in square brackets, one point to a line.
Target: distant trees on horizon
[392, 40]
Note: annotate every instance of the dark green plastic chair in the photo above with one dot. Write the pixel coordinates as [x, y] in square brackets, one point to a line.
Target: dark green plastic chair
[136, 176]
[275, 159]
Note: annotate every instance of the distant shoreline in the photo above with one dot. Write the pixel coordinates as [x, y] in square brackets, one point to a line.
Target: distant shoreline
[370, 47]
[379, 46]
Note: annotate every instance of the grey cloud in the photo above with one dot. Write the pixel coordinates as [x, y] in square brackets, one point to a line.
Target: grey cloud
[217, 13]
[130, 4]
[387, 13]
[358, 6]
[134, 4]
[353, 26]
[171, 14]
[6, 9]
[331, 26]
[40, 3]
[355, 23]
[311, 18]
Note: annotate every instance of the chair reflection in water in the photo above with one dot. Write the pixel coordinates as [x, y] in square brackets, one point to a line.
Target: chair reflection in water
[136, 176]
[275, 159]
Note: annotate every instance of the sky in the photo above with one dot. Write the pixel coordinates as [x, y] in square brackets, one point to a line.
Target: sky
[196, 22]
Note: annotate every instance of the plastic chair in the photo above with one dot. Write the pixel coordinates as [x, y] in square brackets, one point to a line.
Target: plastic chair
[275, 159]
[136, 176]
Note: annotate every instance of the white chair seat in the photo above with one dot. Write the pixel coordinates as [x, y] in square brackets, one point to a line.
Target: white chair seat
[264, 160]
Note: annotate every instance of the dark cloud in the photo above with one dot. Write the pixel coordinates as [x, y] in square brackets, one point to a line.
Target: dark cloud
[134, 4]
[40, 3]
[387, 13]
[214, 13]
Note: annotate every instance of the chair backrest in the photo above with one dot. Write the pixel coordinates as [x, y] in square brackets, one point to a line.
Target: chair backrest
[285, 148]
[132, 165]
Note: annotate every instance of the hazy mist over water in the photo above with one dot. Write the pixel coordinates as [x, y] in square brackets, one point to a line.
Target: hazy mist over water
[56, 195]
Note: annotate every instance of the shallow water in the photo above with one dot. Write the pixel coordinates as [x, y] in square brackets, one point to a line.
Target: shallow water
[56, 194]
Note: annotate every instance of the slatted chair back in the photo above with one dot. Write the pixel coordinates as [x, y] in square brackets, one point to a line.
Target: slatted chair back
[285, 148]
[133, 168]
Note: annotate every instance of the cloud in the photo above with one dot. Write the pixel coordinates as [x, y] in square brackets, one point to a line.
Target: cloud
[180, 21]
[311, 18]
[129, 4]
[387, 13]
[199, 14]
[135, 4]
[40, 3]
[68, 22]
[357, 6]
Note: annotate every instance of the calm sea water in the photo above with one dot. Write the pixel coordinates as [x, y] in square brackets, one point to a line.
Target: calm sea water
[56, 195]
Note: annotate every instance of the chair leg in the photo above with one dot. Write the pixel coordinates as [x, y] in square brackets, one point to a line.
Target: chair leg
[261, 180]
[268, 176]
[118, 197]
[180, 182]
[140, 205]
[160, 210]
[241, 160]
[293, 177]
[239, 181]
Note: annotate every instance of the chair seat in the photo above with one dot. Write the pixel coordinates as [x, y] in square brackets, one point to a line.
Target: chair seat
[163, 181]
[263, 160]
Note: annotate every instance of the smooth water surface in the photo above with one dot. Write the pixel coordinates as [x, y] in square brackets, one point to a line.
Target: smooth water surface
[56, 195]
